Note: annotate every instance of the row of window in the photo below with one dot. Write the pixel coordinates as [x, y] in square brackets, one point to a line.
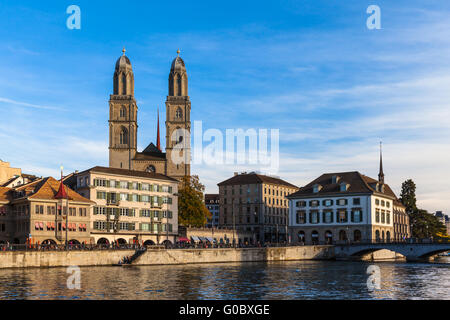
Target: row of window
[382, 203]
[51, 226]
[51, 210]
[128, 212]
[340, 216]
[326, 202]
[132, 185]
[114, 197]
[382, 216]
[131, 226]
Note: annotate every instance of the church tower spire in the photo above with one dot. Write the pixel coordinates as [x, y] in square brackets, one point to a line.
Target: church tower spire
[158, 142]
[122, 116]
[178, 121]
[381, 174]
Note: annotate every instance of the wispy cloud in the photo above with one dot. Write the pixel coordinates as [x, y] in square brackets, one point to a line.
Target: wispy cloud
[29, 105]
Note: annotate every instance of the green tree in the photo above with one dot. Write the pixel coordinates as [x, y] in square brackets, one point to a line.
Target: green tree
[425, 225]
[191, 207]
[408, 196]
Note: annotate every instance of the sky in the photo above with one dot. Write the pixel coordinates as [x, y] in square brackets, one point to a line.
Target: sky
[311, 69]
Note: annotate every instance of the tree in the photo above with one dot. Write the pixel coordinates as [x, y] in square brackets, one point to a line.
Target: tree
[425, 225]
[408, 196]
[191, 208]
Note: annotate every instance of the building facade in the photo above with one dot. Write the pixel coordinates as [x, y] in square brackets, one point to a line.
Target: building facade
[130, 206]
[346, 206]
[44, 212]
[212, 204]
[123, 110]
[402, 228]
[7, 173]
[256, 203]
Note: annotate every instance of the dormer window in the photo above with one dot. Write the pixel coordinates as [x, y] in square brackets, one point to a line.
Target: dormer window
[317, 188]
[335, 179]
[344, 186]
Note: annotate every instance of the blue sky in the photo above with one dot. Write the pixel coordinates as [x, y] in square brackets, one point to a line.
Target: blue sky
[309, 68]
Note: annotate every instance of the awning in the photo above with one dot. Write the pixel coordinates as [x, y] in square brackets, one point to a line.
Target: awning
[195, 239]
[210, 239]
[183, 239]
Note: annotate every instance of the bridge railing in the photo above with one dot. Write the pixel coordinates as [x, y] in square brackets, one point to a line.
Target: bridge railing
[381, 241]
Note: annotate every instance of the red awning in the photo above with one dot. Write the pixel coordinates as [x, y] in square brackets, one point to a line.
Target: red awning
[183, 239]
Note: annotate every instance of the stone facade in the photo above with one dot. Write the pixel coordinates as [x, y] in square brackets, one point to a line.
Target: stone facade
[256, 203]
[123, 109]
[402, 228]
[6, 172]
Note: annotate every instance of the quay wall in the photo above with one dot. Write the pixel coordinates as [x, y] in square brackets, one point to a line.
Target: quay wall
[185, 256]
[25, 259]
[28, 259]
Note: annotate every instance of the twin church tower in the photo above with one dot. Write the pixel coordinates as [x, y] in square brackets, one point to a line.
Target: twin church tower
[175, 162]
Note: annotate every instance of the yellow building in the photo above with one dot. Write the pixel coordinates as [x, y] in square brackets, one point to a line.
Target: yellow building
[7, 173]
[45, 212]
[129, 205]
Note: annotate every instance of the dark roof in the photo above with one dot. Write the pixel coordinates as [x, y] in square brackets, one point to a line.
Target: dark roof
[151, 148]
[4, 193]
[254, 178]
[10, 181]
[156, 156]
[211, 198]
[358, 183]
[133, 173]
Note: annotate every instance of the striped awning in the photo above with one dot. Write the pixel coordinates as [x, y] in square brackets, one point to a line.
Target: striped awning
[195, 239]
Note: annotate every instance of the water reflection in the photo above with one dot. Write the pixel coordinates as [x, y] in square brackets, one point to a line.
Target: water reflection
[272, 280]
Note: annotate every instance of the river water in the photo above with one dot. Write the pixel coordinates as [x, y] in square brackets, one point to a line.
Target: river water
[270, 280]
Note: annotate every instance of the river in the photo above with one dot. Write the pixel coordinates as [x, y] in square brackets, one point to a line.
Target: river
[271, 280]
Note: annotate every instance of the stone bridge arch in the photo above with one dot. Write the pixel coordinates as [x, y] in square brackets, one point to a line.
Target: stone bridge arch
[412, 251]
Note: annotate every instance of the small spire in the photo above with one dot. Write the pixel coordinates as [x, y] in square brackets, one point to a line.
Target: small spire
[123, 50]
[158, 144]
[381, 173]
[178, 52]
[61, 194]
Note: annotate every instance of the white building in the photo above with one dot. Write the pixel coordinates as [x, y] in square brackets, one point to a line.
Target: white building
[346, 206]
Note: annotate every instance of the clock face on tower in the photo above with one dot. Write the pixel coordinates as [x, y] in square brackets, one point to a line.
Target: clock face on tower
[150, 168]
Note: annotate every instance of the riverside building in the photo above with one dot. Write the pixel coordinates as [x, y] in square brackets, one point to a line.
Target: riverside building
[346, 207]
[44, 211]
[255, 203]
[130, 206]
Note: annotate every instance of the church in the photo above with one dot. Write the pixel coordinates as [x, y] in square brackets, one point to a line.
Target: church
[123, 153]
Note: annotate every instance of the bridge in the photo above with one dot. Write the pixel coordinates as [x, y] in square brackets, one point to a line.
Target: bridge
[412, 251]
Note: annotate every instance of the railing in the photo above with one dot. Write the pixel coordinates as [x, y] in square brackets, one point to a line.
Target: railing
[62, 247]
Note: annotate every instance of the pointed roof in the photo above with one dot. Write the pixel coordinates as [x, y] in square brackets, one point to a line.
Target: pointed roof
[62, 194]
[358, 183]
[49, 188]
[158, 143]
[381, 173]
[151, 148]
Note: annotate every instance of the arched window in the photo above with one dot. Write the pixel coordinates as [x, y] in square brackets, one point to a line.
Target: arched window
[124, 84]
[377, 235]
[123, 112]
[123, 136]
[357, 235]
[179, 113]
[301, 236]
[179, 85]
[342, 235]
[315, 237]
[388, 236]
[329, 237]
[150, 168]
